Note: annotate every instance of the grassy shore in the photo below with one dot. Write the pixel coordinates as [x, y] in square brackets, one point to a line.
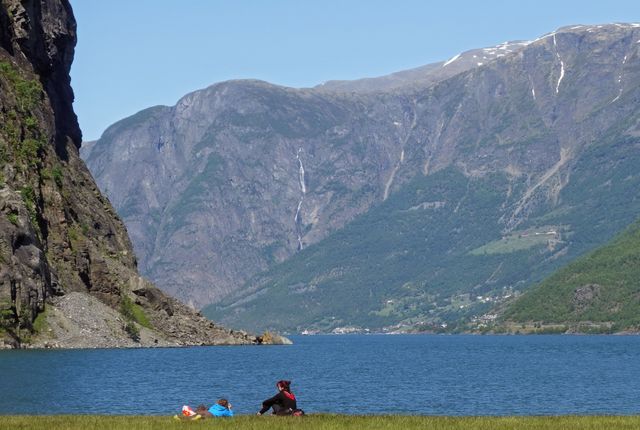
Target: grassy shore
[321, 422]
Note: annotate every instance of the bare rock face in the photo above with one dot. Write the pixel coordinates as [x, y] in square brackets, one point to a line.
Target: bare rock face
[584, 296]
[59, 236]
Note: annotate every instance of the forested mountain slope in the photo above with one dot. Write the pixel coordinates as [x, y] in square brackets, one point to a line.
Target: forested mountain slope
[598, 292]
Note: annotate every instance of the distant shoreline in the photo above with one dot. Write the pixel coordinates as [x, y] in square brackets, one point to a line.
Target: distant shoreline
[475, 333]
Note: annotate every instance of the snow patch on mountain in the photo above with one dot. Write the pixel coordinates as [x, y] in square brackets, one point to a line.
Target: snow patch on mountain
[451, 60]
[555, 45]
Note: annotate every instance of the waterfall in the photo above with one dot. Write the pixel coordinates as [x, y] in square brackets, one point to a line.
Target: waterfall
[303, 189]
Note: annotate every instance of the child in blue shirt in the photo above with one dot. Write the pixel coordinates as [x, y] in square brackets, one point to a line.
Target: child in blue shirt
[221, 408]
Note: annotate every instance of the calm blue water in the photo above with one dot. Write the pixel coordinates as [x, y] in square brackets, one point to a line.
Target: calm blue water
[435, 375]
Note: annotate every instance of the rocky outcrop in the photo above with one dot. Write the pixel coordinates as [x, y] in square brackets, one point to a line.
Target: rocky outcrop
[64, 253]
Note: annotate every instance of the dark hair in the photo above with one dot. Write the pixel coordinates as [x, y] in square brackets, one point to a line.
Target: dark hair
[284, 385]
[223, 402]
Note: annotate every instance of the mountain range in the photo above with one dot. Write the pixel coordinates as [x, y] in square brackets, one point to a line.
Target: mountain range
[418, 200]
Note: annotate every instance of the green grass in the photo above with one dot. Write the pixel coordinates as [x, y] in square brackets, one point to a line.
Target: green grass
[13, 218]
[134, 312]
[323, 422]
[517, 241]
[40, 323]
[29, 198]
[28, 91]
[19, 125]
[57, 175]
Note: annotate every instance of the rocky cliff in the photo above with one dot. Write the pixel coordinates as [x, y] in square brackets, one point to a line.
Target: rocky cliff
[68, 273]
[419, 198]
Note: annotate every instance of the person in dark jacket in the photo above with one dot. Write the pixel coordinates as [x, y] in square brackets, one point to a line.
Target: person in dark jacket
[283, 403]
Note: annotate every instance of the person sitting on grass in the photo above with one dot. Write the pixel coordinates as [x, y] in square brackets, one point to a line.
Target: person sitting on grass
[284, 403]
[222, 408]
[193, 415]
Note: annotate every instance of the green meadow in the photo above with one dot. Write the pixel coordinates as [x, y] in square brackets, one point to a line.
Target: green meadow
[321, 422]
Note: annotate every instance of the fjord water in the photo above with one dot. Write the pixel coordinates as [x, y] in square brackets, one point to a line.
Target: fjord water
[434, 375]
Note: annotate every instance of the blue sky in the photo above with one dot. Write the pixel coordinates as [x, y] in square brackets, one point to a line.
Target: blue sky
[133, 54]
